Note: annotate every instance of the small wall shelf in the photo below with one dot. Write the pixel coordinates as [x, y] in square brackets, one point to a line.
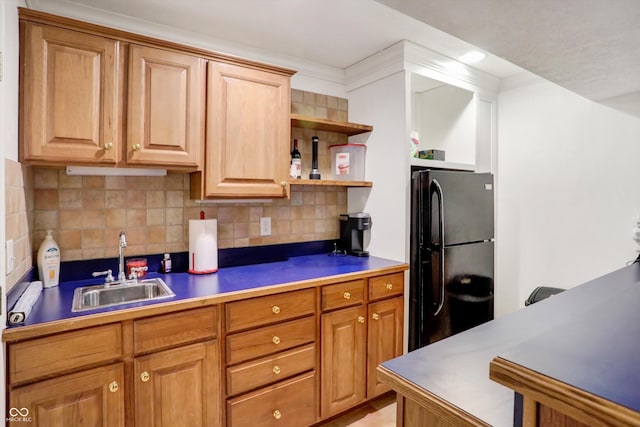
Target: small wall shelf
[315, 123]
[325, 182]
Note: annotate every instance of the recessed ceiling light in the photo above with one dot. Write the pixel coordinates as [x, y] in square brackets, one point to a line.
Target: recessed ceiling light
[472, 57]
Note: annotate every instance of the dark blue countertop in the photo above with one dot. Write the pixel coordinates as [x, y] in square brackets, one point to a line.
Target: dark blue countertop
[587, 337]
[55, 303]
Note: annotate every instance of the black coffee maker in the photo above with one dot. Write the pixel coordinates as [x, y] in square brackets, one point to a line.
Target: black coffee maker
[352, 228]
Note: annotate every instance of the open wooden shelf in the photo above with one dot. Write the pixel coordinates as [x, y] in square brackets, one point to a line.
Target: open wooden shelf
[325, 182]
[315, 123]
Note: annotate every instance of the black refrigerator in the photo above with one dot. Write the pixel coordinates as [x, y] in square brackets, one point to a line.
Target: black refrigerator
[451, 253]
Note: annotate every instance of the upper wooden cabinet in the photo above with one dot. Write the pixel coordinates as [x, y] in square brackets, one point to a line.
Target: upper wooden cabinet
[166, 108]
[77, 109]
[70, 94]
[248, 132]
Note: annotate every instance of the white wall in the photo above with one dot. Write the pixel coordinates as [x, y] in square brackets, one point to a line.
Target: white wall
[383, 105]
[569, 197]
[8, 141]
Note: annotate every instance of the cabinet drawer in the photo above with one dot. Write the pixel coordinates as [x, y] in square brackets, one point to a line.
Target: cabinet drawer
[289, 403]
[273, 308]
[270, 339]
[169, 330]
[258, 373]
[64, 352]
[342, 294]
[386, 286]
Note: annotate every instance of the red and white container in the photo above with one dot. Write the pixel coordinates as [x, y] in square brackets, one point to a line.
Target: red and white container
[347, 162]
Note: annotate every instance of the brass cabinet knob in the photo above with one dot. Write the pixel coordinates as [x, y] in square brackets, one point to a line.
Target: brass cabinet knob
[361, 319]
[276, 369]
[113, 387]
[277, 415]
[144, 376]
[275, 309]
[275, 340]
[346, 295]
[108, 145]
[283, 184]
[375, 316]
[137, 147]
[389, 286]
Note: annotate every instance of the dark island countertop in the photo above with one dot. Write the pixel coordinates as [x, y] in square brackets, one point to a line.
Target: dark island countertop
[587, 337]
[52, 312]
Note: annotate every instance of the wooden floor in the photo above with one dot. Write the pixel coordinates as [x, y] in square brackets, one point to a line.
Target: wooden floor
[380, 413]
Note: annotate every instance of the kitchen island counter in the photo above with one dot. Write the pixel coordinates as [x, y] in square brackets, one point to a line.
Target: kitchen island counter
[52, 312]
[450, 380]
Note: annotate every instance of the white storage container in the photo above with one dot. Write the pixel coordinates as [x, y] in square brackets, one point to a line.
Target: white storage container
[347, 162]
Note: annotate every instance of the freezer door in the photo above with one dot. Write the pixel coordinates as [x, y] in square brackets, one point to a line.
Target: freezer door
[460, 206]
[462, 297]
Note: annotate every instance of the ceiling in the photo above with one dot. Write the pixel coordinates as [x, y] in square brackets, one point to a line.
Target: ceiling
[591, 47]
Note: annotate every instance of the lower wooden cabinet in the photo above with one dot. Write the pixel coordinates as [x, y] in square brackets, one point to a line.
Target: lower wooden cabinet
[344, 356]
[355, 340]
[89, 398]
[384, 340]
[178, 387]
[288, 403]
[287, 359]
[156, 371]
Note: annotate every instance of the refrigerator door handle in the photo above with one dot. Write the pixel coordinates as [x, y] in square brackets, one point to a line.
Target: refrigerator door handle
[440, 195]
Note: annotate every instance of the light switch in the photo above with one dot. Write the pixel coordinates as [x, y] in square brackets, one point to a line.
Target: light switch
[10, 257]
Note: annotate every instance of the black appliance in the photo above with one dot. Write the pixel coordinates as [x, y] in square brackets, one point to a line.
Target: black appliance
[352, 228]
[451, 253]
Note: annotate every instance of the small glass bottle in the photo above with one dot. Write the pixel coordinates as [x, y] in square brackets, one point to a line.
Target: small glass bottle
[166, 264]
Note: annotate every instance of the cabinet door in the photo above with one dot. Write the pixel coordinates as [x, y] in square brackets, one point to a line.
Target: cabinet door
[385, 339]
[178, 387]
[344, 355]
[71, 96]
[166, 108]
[248, 132]
[92, 398]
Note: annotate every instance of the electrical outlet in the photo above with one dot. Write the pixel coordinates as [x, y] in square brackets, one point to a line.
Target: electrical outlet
[265, 226]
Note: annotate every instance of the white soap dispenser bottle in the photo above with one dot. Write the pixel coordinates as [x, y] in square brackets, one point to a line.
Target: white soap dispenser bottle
[49, 261]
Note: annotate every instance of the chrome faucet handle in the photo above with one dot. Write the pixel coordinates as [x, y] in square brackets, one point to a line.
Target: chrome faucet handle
[107, 273]
[134, 272]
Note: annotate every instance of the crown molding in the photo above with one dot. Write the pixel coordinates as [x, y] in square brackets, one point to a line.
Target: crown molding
[309, 69]
[409, 56]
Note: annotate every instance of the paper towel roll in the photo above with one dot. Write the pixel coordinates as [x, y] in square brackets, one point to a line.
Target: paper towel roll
[203, 246]
[22, 309]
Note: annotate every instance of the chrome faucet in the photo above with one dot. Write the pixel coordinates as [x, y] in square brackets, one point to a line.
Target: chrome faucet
[122, 243]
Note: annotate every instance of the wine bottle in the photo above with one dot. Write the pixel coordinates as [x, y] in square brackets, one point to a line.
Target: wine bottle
[296, 162]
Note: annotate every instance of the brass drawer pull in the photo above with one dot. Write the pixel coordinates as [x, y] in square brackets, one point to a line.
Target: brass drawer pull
[144, 376]
[277, 415]
[276, 340]
[346, 295]
[389, 286]
[113, 387]
[276, 369]
[275, 309]
[361, 319]
[137, 147]
[375, 316]
[108, 145]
